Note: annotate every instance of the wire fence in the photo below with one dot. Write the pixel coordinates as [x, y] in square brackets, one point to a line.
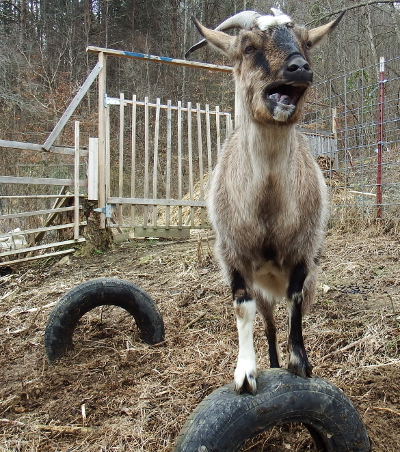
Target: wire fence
[357, 117]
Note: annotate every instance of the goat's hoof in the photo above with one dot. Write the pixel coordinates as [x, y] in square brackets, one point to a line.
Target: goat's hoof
[245, 380]
[299, 366]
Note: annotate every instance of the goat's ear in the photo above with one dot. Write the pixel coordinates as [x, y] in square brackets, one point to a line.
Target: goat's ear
[220, 40]
[317, 34]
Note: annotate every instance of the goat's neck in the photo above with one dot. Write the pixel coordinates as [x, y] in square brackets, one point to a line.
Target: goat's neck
[266, 147]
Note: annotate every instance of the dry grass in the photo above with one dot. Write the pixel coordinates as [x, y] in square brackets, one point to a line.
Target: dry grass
[136, 397]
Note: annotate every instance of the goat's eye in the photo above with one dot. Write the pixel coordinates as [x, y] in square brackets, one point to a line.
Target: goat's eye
[309, 44]
[249, 49]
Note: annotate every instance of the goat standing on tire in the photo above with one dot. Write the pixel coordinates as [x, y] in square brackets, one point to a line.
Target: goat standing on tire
[267, 200]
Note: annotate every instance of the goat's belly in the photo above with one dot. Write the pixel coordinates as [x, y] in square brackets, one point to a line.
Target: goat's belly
[271, 279]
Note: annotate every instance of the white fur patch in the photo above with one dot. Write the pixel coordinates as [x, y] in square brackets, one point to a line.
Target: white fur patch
[279, 18]
[246, 369]
[283, 112]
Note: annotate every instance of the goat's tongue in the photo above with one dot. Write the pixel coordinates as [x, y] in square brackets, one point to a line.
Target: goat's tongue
[281, 98]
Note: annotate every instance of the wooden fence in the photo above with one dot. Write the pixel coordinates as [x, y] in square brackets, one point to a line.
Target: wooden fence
[163, 172]
[157, 176]
[18, 241]
[152, 180]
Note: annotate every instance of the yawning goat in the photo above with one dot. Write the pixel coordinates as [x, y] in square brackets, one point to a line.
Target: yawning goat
[267, 200]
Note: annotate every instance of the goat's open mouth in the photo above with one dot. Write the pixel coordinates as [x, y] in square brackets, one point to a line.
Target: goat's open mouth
[286, 94]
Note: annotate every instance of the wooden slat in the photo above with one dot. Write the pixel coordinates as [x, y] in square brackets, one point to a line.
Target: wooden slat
[72, 106]
[190, 157]
[34, 196]
[108, 152]
[201, 170]
[133, 162]
[41, 247]
[76, 184]
[155, 160]
[102, 137]
[165, 233]
[61, 201]
[209, 148]
[93, 169]
[35, 212]
[169, 150]
[40, 256]
[159, 59]
[157, 202]
[121, 152]
[21, 145]
[179, 160]
[218, 128]
[38, 147]
[146, 158]
[40, 181]
[46, 229]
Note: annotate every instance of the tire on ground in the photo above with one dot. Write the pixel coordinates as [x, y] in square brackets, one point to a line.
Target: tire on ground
[223, 421]
[99, 292]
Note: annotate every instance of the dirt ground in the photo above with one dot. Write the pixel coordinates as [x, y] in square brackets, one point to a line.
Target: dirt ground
[114, 393]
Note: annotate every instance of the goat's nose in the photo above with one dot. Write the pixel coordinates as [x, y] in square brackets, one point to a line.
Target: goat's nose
[298, 68]
[296, 64]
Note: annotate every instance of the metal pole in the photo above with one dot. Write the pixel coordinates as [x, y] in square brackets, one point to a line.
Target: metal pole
[381, 100]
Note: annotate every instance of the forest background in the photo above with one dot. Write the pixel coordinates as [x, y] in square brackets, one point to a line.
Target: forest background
[43, 58]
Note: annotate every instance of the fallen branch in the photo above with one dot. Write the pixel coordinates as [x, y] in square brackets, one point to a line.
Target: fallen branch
[192, 322]
[347, 347]
[68, 429]
[386, 409]
[10, 422]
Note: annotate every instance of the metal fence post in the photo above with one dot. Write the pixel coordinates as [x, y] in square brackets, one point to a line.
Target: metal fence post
[381, 100]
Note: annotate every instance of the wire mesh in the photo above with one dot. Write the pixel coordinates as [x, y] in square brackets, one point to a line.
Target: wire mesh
[343, 114]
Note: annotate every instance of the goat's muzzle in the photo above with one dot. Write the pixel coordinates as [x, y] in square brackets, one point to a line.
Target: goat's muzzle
[286, 93]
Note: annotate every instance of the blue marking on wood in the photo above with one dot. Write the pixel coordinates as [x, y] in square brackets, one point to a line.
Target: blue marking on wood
[147, 56]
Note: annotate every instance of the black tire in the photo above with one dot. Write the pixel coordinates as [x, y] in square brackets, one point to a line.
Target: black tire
[223, 421]
[98, 292]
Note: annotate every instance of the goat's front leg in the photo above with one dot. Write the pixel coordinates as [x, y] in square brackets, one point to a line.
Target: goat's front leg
[246, 371]
[298, 361]
[245, 310]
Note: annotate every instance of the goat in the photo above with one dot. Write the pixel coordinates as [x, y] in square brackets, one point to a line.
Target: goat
[267, 201]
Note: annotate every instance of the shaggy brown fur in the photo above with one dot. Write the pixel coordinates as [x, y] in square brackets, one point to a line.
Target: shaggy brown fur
[267, 200]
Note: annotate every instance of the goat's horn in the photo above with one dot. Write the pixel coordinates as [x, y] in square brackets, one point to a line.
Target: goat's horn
[244, 19]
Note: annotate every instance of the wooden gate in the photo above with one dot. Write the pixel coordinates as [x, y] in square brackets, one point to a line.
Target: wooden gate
[157, 174]
[153, 180]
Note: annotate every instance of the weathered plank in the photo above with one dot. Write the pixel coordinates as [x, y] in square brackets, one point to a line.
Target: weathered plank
[41, 247]
[40, 256]
[159, 59]
[72, 106]
[40, 181]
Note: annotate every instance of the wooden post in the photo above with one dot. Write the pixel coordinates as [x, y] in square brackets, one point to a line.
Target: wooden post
[121, 154]
[209, 148]
[155, 160]
[169, 150]
[133, 164]
[190, 157]
[201, 170]
[180, 162]
[217, 123]
[102, 138]
[381, 106]
[146, 159]
[76, 183]
[93, 170]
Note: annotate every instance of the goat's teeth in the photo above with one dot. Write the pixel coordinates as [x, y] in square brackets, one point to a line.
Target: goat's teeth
[275, 97]
[285, 100]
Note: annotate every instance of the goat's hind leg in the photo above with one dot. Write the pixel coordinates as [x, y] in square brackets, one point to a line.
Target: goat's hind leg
[245, 310]
[265, 307]
[297, 361]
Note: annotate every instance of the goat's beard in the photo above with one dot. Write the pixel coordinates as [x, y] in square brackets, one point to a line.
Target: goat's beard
[281, 112]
